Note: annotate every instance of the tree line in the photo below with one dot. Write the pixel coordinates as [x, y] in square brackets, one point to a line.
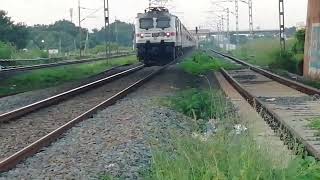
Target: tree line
[62, 35]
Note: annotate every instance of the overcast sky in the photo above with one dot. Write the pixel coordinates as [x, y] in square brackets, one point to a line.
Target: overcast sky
[192, 12]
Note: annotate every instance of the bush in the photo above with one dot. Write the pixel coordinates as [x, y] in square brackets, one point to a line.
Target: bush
[201, 105]
[288, 61]
[6, 50]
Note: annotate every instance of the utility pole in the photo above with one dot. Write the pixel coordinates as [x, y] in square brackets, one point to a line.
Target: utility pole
[249, 3]
[312, 43]
[80, 38]
[237, 21]
[223, 33]
[116, 32]
[282, 26]
[86, 43]
[250, 18]
[71, 15]
[60, 48]
[107, 24]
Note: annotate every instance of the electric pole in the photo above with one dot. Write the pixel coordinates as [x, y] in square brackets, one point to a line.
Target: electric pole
[80, 38]
[249, 3]
[237, 21]
[223, 33]
[71, 14]
[312, 43]
[250, 18]
[116, 32]
[228, 28]
[107, 24]
[282, 26]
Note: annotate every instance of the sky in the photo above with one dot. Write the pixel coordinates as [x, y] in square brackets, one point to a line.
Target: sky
[192, 12]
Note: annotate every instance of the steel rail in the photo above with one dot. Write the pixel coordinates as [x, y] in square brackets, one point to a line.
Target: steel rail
[12, 115]
[106, 71]
[49, 65]
[33, 148]
[288, 82]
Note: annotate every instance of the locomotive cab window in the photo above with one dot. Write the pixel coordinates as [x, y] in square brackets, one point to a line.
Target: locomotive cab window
[146, 23]
[163, 23]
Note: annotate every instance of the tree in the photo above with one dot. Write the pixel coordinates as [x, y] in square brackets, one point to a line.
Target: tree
[118, 30]
[15, 34]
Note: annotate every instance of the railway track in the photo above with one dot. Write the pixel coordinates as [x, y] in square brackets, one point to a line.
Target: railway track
[287, 106]
[49, 65]
[27, 130]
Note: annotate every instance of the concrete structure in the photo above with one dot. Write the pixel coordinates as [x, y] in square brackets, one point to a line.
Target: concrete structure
[312, 45]
[207, 32]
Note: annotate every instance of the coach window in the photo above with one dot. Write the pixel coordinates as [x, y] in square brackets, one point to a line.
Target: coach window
[163, 23]
[146, 23]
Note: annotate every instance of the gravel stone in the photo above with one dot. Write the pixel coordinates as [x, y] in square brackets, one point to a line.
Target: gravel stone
[17, 101]
[117, 140]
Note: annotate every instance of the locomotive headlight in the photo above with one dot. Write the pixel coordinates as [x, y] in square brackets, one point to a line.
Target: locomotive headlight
[168, 34]
[140, 35]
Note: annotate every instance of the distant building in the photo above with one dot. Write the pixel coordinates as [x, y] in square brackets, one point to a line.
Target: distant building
[53, 51]
[300, 25]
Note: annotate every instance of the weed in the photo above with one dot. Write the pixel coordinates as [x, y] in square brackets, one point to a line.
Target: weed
[315, 124]
[201, 63]
[200, 105]
[224, 156]
[106, 177]
[6, 50]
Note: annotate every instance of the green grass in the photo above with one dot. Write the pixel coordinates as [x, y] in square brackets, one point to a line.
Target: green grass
[266, 53]
[49, 77]
[223, 156]
[315, 124]
[201, 63]
[260, 52]
[200, 105]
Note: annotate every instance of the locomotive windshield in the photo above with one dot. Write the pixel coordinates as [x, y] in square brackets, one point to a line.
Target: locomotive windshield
[163, 23]
[146, 23]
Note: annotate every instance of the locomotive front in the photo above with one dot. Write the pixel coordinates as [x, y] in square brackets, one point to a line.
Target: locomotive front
[156, 35]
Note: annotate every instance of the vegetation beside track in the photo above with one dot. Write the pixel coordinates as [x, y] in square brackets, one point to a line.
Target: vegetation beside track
[214, 149]
[223, 155]
[265, 52]
[201, 63]
[315, 124]
[50, 77]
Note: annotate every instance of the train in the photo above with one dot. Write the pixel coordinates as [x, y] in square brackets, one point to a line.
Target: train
[160, 37]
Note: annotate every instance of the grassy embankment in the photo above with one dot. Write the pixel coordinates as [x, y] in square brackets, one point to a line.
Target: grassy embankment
[225, 155]
[50, 77]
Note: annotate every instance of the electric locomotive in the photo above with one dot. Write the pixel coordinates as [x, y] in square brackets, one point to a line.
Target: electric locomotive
[160, 37]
